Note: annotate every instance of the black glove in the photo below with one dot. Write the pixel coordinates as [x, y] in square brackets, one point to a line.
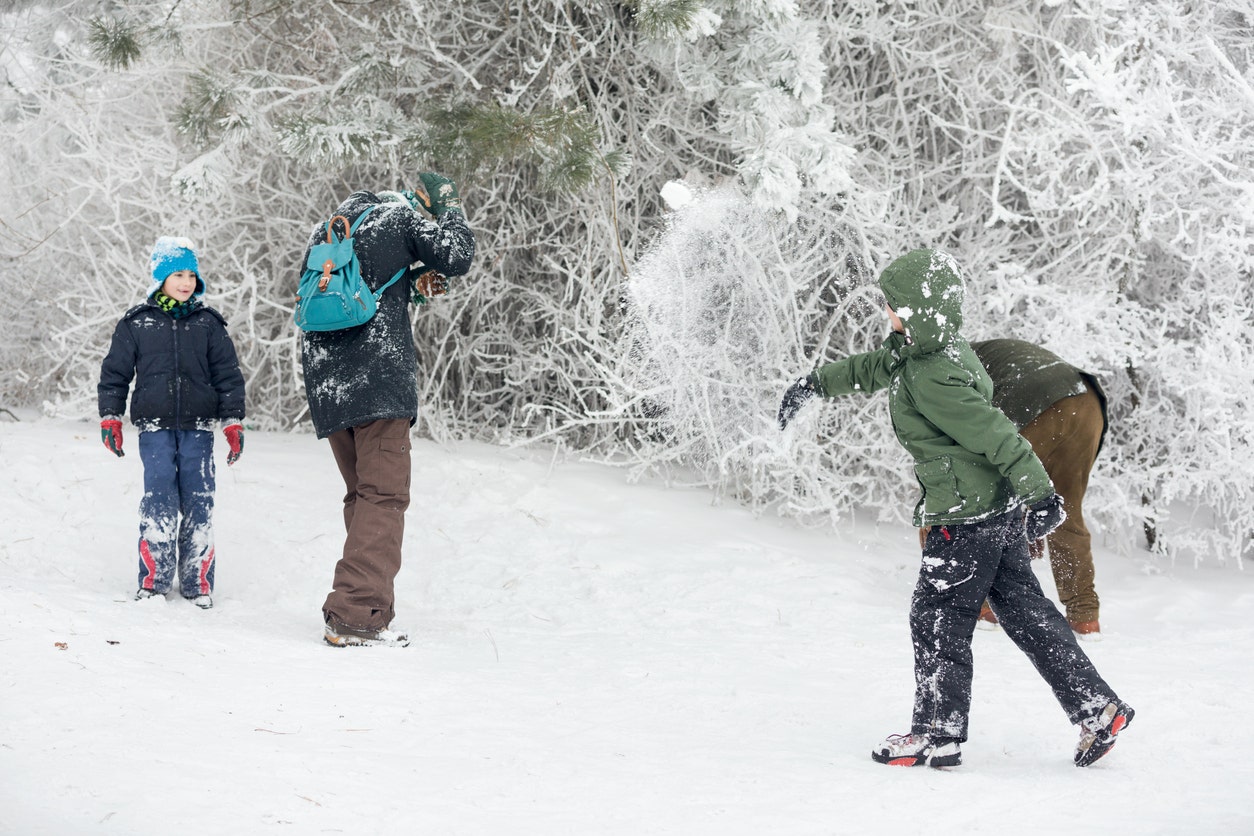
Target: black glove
[1044, 517]
[794, 398]
[437, 194]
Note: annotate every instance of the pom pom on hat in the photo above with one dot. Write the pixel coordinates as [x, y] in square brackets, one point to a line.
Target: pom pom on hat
[170, 255]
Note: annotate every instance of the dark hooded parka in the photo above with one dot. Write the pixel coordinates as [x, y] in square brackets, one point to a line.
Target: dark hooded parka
[367, 373]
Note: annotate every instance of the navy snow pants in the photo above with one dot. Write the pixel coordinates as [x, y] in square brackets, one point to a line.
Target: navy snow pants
[176, 512]
[962, 566]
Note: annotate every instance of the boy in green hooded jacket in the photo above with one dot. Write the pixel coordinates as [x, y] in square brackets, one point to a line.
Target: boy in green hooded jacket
[985, 495]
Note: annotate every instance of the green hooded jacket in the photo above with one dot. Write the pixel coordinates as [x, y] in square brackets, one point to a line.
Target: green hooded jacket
[969, 459]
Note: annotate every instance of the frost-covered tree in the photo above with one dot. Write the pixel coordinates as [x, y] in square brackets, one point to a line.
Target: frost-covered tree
[242, 124]
[1089, 165]
[1087, 161]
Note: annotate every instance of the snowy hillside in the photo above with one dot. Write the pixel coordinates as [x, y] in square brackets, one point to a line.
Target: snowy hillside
[589, 656]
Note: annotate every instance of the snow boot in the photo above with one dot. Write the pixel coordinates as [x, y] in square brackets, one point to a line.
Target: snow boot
[141, 594]
[987, 619]
[202, 601]
[339, 635]
[1089, 631]
[917, 750]
[1097, 733]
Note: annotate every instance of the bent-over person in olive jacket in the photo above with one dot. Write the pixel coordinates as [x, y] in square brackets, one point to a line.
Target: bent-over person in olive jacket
[984, 495]
[1061, 411]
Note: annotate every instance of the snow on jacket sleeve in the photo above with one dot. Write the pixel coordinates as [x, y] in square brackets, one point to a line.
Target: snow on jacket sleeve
[446, 245]
[117, 370]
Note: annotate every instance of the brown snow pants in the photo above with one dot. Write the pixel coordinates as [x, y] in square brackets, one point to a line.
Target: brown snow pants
[1065, 437]
[374, 461]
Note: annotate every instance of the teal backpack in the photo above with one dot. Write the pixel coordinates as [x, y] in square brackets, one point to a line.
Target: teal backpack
[332, 295]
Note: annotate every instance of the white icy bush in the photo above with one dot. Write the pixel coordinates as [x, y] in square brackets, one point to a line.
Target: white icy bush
[1087, 163]
[729, 306]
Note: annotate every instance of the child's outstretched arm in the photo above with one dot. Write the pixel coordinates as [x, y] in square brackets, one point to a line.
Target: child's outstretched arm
[867, 372]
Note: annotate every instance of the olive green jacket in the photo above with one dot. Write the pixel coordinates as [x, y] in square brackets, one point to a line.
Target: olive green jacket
[1028, 379]
[969, 459]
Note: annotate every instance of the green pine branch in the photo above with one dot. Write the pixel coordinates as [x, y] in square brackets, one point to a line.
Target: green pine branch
[210, 107]
[664, 19]
[115, 43]
[120, 42]
[562, 145]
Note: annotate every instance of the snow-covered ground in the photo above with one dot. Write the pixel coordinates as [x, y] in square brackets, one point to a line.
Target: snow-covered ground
[589, 656]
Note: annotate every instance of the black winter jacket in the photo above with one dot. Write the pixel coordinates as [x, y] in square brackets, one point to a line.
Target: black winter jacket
[370, 372]
[186, 374]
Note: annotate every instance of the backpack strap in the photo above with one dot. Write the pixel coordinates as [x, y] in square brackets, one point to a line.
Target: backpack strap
[378, 293]
[331, 226]
[351, 230]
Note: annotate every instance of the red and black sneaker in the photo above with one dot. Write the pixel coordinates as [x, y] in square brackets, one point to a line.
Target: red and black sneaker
[917, 750]
[1098, 733]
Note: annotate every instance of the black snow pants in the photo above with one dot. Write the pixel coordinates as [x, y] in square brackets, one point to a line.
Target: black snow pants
[962, 566]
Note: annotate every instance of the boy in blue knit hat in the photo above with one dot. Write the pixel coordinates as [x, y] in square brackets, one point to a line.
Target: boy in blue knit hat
[187, 382]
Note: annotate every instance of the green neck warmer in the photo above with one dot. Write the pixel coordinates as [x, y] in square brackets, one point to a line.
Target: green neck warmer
[178, 310]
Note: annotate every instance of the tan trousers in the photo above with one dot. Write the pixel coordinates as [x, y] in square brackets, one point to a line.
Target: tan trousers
[374, 460]
[1065, 437]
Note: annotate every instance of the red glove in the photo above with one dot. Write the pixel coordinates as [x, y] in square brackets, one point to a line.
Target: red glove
[235, 438]
[111, 435]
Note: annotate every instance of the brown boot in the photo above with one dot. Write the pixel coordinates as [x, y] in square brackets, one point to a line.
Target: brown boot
[988, 619]
[1089, 631]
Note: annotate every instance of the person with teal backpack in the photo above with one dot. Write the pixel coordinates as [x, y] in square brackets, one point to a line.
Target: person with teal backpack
[361, 375]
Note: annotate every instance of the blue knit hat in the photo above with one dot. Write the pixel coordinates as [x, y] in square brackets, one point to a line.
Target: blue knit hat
[170, 255]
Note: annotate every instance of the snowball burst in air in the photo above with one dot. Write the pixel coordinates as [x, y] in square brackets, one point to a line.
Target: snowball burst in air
[677, 194]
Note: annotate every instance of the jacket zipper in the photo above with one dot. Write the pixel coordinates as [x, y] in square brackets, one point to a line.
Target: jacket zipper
[178, 381]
